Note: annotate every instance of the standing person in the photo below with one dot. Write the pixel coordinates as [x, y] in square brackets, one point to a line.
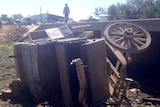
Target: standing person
[66, 13]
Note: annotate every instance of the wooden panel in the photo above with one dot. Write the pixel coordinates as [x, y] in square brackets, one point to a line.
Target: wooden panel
[40, 70]
[64, 73]
[19, 62]
[48, 71]
[151, 25]
[26, 56]
[94, 56]
[25, 65]
[67, 50]
[31, 70]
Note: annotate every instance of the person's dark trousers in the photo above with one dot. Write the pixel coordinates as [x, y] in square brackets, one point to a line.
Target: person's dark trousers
[66, 18]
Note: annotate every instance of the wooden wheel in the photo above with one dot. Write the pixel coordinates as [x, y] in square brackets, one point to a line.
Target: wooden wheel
[127, 37]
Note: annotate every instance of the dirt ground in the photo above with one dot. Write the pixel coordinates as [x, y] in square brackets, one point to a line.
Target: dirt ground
[9, 34]
[12, 33]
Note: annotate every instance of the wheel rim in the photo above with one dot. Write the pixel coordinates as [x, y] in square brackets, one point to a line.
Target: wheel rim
[127, 37]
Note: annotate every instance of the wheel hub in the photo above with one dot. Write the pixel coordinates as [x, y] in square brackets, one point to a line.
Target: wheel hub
[128, 32]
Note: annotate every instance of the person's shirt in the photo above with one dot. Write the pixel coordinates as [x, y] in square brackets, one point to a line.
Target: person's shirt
[66, 10]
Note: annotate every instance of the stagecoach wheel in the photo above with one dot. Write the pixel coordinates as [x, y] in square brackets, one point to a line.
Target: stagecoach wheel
[127, 37]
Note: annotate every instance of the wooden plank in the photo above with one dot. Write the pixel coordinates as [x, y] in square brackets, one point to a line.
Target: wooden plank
[33, 28]
[40, 71]
[94, 57]
[117, 54]
[48, 72]
[114, 79]
[67, 50]
[19, 62]
[86, 34]
[33, 63]
[64, 73]
[114, 70]
[111, 89]
[151, 25]
[26, 55]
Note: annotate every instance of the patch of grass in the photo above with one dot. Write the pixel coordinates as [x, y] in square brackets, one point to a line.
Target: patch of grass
[8, 35]
[7, 65]
[7, 69]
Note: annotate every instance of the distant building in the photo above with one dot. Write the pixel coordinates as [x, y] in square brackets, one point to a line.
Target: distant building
[103, 17]
[5, 20]
[90, 19]
[47, 18]
[4, 17]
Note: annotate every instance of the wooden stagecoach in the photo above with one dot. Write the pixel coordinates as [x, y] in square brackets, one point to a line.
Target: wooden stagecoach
[63, 69]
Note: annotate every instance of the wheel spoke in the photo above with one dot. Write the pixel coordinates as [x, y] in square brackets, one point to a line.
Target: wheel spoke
[134, 44]
[139, 35]
[136, 31]
[116, 33]
[138, 42]
[115, 37]
[141, 39]
[129, 43]
[121, 28]
[123, 43]
[121, 38]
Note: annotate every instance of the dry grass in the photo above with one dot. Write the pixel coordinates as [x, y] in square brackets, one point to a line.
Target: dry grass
[9, 34]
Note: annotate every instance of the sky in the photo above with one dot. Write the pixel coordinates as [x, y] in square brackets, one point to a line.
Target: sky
[79, 9]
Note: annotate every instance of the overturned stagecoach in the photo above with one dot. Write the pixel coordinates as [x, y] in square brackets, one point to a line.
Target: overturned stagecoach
[76, 69]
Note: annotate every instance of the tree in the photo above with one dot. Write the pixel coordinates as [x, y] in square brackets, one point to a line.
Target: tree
[99, 11]
[145, 8]
[157, 8]
[17, 16]
[132, 9]
[114, 12]
[135, 9]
